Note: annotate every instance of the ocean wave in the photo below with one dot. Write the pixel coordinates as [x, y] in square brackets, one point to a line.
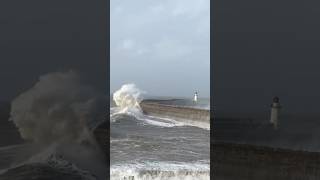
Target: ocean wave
[53, 161]
[161, 171]
[158, 121]
[172, 122]
[128, 99]
[48, 161]
[54, 166]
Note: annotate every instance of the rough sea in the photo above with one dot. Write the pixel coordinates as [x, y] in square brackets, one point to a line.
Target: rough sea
[46, 132]
[146, 147]
[50, 138]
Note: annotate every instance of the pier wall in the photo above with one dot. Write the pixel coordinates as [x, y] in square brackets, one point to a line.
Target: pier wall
[177, 112]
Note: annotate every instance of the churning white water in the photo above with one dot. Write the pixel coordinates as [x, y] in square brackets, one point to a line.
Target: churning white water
[153, 148]
[55, 117]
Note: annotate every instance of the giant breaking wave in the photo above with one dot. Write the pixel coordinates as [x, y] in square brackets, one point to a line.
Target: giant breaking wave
[56, 117]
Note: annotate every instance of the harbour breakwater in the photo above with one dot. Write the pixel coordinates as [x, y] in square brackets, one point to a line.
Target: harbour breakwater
[180, 113]
[250, 162]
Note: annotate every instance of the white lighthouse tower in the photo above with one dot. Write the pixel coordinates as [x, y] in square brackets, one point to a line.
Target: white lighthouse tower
[275, 110]
[195, 98]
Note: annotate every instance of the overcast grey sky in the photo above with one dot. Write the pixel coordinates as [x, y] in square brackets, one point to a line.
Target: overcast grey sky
[40, 37]
[162, 46]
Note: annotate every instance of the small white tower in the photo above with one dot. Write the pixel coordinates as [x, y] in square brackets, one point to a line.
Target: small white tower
[195, 99]
[275, 110]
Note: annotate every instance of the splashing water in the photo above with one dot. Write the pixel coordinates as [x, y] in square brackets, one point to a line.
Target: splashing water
[55, 115]
[128, 96]
[127, 99]
[57, 108]
[145, 147]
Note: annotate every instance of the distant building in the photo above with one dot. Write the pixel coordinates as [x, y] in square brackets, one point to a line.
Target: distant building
[195, 98]
[275, 110]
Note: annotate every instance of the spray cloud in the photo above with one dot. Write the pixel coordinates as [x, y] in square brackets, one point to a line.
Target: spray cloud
[56, 109]
[128, 97]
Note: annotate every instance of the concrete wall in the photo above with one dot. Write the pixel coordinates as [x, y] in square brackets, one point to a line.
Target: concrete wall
[247, 162]
[177, 112]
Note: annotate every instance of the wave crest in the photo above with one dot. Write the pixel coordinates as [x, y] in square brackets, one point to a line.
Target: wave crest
[128, 97]
[161, 171]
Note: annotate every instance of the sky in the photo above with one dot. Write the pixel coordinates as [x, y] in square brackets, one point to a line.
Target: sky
[161, 46]
[263, 49]
[39, 37]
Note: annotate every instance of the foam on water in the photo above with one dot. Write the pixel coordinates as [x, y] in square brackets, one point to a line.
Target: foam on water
[57, 116]
[49, 157]
[168, 122]
[161, 171]
[128, 98]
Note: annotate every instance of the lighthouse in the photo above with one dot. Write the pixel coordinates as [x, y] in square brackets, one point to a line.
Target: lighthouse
[195, 98]
[275, 110]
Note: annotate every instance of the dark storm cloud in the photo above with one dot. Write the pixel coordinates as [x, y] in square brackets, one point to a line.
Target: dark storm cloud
[40, 36]
[266, 48]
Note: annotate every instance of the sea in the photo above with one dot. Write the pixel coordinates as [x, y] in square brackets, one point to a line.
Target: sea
[46, 131]
[59, 144]
[161, 148]
[24, 160]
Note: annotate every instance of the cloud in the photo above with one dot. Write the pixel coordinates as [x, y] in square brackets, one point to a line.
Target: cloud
[147, 34]
[128, 44]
